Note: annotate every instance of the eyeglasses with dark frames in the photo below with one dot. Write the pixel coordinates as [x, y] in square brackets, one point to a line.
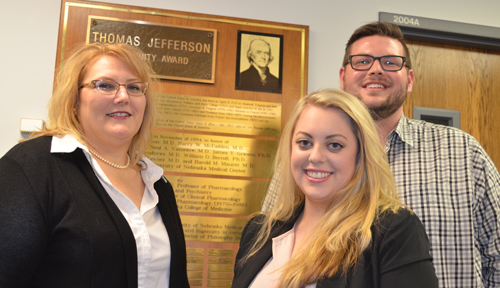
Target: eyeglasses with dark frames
[110, 87]
[390, 63]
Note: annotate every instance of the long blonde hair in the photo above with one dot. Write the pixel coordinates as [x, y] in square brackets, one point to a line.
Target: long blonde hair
[344, 231]
[62, 119]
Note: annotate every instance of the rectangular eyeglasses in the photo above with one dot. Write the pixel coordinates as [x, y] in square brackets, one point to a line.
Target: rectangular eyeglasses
[110, 87]
[388, 63]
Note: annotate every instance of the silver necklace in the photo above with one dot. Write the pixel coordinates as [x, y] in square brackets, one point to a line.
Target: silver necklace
[109, 162]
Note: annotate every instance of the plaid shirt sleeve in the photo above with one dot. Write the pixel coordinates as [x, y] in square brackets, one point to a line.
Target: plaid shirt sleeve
[450, 182]
[487, 215]
[271, 195]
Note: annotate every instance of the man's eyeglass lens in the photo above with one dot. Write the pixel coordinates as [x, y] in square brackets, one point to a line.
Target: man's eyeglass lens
[388, 63]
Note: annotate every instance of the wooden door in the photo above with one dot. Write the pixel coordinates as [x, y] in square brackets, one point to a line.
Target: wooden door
[459, 78]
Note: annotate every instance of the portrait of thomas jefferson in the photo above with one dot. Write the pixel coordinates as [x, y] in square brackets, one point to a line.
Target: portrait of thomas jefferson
[258, 75]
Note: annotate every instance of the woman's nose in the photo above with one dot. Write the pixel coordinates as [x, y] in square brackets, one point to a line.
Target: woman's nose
[121, 95]
[317, 155]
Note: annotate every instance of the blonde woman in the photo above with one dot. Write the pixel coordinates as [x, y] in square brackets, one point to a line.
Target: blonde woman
[80, 204]
[337, 221]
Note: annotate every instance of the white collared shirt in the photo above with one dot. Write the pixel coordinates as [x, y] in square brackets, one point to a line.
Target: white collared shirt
[151, 237]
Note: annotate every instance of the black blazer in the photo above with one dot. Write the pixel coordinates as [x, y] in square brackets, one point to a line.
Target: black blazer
[398, 255]
[60, 228]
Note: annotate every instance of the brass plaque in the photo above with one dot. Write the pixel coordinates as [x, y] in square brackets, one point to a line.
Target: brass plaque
[219, 283]
[195, 267]
[220, 252]
[216, 155]
[194, 274]
[175, 52]
[220, 260]
[212, 229]
[218, 275]
[195, 283]
[195, 251]
[215, 195]
[211, 114]
[194, 259]
[220, 268]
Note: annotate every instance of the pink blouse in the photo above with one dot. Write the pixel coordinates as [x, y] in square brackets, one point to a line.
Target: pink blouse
[282, 252]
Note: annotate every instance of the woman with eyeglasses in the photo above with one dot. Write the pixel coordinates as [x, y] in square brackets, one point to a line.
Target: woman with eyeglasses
[80, 204]
[337, 221]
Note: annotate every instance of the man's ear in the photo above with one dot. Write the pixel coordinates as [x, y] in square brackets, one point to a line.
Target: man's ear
[411, 77]
[341, 75]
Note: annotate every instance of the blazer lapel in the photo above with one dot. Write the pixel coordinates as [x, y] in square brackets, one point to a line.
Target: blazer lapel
[252, 266]
[170, 216]
[333, 282]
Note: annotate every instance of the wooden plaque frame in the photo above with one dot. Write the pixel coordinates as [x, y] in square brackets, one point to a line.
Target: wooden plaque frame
[206, 256]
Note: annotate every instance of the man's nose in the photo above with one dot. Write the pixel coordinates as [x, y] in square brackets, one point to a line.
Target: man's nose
[376, 67]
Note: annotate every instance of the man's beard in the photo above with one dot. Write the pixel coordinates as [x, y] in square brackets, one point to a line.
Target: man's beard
[388, 107]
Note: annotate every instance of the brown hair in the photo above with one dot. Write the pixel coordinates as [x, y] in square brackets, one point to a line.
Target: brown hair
[62, 118]
[381, 29]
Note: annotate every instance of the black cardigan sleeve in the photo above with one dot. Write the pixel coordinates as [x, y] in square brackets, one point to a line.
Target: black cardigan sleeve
[23, 229]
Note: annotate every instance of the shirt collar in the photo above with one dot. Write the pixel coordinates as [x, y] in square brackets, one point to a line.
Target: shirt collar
[65, 144]
[152, 173]
[402, 130]
[68, 144]
[149, 176]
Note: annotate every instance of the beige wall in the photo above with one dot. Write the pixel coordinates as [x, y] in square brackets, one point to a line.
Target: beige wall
[30, 27]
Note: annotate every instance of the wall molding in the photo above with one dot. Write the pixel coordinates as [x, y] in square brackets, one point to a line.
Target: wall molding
[445, 32]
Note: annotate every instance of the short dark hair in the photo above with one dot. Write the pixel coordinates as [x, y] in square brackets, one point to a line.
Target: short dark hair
[381, 29]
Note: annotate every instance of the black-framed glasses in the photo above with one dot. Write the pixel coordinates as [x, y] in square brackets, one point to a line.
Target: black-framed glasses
[391, 63]
[110, 87]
